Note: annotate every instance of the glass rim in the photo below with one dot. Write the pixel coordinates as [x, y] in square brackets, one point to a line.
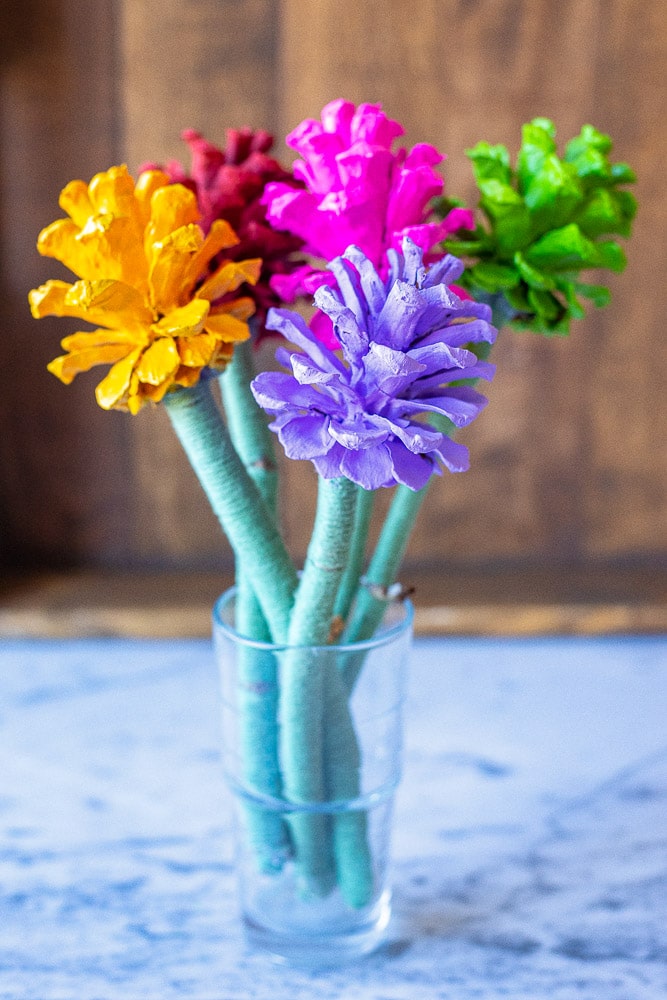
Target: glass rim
[384, 638]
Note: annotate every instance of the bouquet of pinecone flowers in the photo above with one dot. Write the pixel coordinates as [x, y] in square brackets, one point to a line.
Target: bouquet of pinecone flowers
[384, 298]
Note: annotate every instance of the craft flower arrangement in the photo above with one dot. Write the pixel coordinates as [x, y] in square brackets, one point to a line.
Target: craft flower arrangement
[179, 272]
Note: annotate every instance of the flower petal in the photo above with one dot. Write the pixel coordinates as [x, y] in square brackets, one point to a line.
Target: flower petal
[187, 376]
[357, 434]
[348, 330]
[109, 303]
[242, 308]
[75, 200]
[82, 359]
[389, 370]
[417, 437]
[415, 185]
[106, 247]
[228, 277]
[307, 372]
[159, 362]
[402, 310]
[293, 327]
[349, 289]
[197, 351]
[305, 437]
[147, 184]
[173, 207]
[103, 338]
[48, 299]
[371, 468]
[111, 192]
[169, 263]
[113, 389]
[226, 327]
[187, 321]
[460, 404]
[370, 280]
[277, 391]
[454, 455]
[220, 236]
[413, 471]
[329, 465]
[146, 392]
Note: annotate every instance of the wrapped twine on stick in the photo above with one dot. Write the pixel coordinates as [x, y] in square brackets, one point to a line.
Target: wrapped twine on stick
[373, 392]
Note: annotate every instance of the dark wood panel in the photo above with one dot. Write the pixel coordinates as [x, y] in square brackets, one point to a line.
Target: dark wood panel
[209, 65]
[626, 489]
[568, 461]
[461, 602]
[204, 64]
[63, 480]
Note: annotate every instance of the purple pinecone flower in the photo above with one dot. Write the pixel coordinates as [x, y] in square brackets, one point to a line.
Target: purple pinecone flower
[359, 412]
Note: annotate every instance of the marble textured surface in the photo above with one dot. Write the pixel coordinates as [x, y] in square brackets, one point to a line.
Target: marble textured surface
[530, 834]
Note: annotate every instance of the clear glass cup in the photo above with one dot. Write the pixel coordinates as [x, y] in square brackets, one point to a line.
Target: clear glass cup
[312, 750]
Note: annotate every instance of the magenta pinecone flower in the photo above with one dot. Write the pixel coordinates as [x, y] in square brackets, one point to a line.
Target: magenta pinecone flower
[357, 190]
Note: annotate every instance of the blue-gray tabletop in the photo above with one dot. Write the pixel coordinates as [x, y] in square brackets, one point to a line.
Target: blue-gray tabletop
[529, 846]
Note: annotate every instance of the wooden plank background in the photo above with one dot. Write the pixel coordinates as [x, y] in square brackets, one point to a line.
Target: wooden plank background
[569, 460]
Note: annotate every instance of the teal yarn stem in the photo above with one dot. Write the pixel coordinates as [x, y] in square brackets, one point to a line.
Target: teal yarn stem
[383, 568]
[258, 692]
[392, 543]
[253, 441]
[342, 762]
[268, 834]
[354, 863]
[326, 562]
[350, 582]
[303, 687]
[247, 423]
[236, 502]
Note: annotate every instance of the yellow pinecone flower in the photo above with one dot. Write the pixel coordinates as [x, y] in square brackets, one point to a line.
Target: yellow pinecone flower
[143, 264]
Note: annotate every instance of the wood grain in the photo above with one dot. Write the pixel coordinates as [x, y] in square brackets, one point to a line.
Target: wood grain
[569, 462]
[178, 605]
[209, 65]
[63, 484]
